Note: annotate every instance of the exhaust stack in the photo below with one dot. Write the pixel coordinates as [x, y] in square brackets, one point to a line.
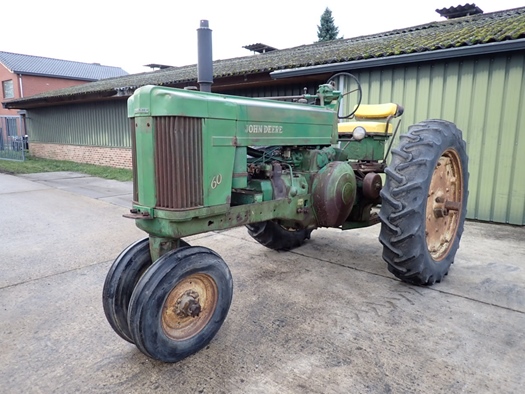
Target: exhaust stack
[205, 59]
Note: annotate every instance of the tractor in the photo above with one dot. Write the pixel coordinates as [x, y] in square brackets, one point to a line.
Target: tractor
[206, 162]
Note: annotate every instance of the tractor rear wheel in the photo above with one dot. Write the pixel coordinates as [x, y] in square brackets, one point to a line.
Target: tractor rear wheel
[180, 303]
[275, 236]
[424, 202]
[120, 282]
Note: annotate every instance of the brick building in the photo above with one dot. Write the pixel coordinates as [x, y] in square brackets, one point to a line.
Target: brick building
[25, 75]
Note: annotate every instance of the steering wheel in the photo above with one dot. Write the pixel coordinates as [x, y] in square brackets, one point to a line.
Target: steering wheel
[353, 81]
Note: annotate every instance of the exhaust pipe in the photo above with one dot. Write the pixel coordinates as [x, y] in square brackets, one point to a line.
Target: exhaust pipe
[205, 59]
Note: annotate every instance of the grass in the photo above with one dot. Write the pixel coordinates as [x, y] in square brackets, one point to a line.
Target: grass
[35, 164]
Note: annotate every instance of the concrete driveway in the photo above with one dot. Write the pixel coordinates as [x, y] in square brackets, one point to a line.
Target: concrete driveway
[326, 318]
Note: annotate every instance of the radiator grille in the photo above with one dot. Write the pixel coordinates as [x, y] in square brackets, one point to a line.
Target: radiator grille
[178, 162]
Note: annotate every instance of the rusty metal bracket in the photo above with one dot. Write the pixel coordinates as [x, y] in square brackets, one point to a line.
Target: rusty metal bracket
[140, 213]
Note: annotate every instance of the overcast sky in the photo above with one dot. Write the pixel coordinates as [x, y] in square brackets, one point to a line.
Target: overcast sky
[130, 33]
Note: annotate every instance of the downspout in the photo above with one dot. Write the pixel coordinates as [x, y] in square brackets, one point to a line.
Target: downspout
[340, 88]
[20, 85]
[23, 114]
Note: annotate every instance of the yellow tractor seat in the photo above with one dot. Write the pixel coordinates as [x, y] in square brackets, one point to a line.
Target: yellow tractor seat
[377, 111]
[370, 127]
[374, 118]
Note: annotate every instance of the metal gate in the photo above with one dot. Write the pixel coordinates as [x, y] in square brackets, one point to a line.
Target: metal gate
[13, 143]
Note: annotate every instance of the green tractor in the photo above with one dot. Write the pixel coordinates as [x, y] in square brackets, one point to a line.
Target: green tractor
[207, 162]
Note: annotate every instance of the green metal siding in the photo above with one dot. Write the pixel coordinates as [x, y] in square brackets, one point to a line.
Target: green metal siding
[93, 124]
[485, 97]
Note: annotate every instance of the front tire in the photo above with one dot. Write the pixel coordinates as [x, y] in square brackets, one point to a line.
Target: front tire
[180, 303]
[120, 282]
[424, 202]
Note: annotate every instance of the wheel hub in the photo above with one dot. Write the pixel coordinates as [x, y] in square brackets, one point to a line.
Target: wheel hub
[442, 207]
[444, 204]
[189, 306]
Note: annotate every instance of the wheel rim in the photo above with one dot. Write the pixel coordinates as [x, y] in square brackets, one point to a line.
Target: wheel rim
[189, 306]
[444, 204]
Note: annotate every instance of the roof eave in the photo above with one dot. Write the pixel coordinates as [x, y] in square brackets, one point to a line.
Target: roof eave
[482, 49]
[19, 72]
[28, 103]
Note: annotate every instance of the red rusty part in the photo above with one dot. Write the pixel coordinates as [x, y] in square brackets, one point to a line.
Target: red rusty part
[364, 167]
[372, 185]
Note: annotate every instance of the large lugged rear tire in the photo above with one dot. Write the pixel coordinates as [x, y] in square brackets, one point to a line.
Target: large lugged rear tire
[424, 202]
[274, 236]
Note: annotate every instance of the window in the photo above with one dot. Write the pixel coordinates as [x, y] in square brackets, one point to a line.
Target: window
[8, 89]
[11, 126]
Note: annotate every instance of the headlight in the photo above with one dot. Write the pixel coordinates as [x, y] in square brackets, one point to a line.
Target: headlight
[359, 133]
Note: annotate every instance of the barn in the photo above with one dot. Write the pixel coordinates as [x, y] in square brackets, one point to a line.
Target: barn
[469, 69]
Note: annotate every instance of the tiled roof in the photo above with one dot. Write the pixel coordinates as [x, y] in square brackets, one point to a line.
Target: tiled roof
[459, 11]
[45, 66]
[464, 32]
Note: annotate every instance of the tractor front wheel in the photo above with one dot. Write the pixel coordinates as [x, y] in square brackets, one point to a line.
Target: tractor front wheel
[424, 202]
[275, 236]
[120, 282]
[180, 303]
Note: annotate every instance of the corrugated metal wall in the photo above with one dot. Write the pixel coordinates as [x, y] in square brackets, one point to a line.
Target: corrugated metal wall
[485, 97]
[102, 123]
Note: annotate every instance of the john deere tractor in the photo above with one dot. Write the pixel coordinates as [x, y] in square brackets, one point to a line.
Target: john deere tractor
[206, 162]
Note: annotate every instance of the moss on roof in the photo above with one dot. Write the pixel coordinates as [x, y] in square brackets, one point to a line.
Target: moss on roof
[455, 33]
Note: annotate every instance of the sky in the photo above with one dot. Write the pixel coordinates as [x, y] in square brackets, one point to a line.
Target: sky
[131, 33]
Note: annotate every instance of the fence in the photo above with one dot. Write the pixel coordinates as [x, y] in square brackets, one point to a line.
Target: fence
[13, 141]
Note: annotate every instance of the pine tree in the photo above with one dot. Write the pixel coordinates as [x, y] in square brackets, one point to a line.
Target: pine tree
[328, 30]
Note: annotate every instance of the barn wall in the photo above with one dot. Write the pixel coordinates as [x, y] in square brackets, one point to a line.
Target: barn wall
[103, 123]
[485, 97]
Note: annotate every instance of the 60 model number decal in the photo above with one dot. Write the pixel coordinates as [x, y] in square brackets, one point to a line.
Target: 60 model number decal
[216, 181]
